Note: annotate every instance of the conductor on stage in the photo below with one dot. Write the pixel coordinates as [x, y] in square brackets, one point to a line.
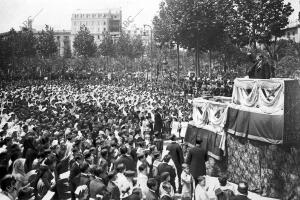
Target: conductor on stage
[261, 69]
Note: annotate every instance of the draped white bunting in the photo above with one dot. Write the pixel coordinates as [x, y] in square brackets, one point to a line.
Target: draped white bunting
[265, 94]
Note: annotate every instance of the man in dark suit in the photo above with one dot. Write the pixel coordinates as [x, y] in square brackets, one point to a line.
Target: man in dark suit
[261, 69]
[112, 188]
[165, 167]
[97, 186]
[153, 186]
[242, 192]
[74, 171]
[196, 159]
[158, 122]
[177, 156]
[127, 160]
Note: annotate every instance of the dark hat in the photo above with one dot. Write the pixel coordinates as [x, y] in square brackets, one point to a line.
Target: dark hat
[129, 173]
[104, 151]
[86, 153]
[172, 137]
[120, 167]
[156, 153]
[111, 174]
[26, 193]
[140, 155]
[199, 140]
[164, 175]
[243, 188]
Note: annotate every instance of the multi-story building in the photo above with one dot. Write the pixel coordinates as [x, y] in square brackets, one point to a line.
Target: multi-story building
[98, 22]
[292, 31]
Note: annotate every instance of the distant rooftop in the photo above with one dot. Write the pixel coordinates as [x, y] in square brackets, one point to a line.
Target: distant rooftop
[293, 24]
[84, 11]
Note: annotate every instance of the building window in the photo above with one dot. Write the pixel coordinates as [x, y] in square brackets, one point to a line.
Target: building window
[104, 23]
[57, 38]
[74, 23]
[104, 15]
[92, 23]
[104, 29]
[98, 37]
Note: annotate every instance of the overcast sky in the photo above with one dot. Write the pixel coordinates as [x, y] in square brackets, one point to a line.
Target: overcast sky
[57, 13]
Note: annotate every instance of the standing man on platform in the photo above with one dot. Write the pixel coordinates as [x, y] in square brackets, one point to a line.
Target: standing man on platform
[177, 156]
[261, 69]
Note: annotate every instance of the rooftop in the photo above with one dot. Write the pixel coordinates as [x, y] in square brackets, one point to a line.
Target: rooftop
[293, 24]
[90, 11]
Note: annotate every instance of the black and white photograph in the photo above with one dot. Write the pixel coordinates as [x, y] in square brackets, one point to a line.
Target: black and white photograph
[150, 100]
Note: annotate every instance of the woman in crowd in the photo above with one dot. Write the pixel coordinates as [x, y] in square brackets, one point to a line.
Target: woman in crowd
[200, 190]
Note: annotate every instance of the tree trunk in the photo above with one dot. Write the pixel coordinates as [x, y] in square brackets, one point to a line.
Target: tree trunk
[178, 63]
[209, 69]
[197, 59]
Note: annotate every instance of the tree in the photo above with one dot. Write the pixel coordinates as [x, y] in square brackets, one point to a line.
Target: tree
[137, 47]
[260, 21]
[16, 49]
[124, 45]
[84, 43]
[107, 48]
[194, 24]
[25, 43]
[46, 44]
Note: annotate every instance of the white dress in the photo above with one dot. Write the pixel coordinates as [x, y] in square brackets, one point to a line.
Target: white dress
[200, 193]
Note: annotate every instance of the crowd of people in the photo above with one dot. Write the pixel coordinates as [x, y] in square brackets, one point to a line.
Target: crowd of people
[95, 139]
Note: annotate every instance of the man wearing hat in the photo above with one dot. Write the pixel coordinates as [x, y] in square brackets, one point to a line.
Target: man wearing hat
[261, 69]
[74, 171]
[196, 159]
[112, 188]
[158, 122]
[165, 167]
[242, 192]
[26, 193]
[126, 159]
[177, 156]
[97, 185]
[153, 186]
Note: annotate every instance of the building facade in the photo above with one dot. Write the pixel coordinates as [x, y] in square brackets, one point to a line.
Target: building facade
[292, 31]
[98, 22]
[63, 40]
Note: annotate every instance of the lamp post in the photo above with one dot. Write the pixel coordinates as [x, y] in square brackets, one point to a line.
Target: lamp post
[150, 42]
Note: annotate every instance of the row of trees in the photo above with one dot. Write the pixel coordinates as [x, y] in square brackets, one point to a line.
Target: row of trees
[223, 29]
[125, 48]
[27, 52]
[19, 48]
